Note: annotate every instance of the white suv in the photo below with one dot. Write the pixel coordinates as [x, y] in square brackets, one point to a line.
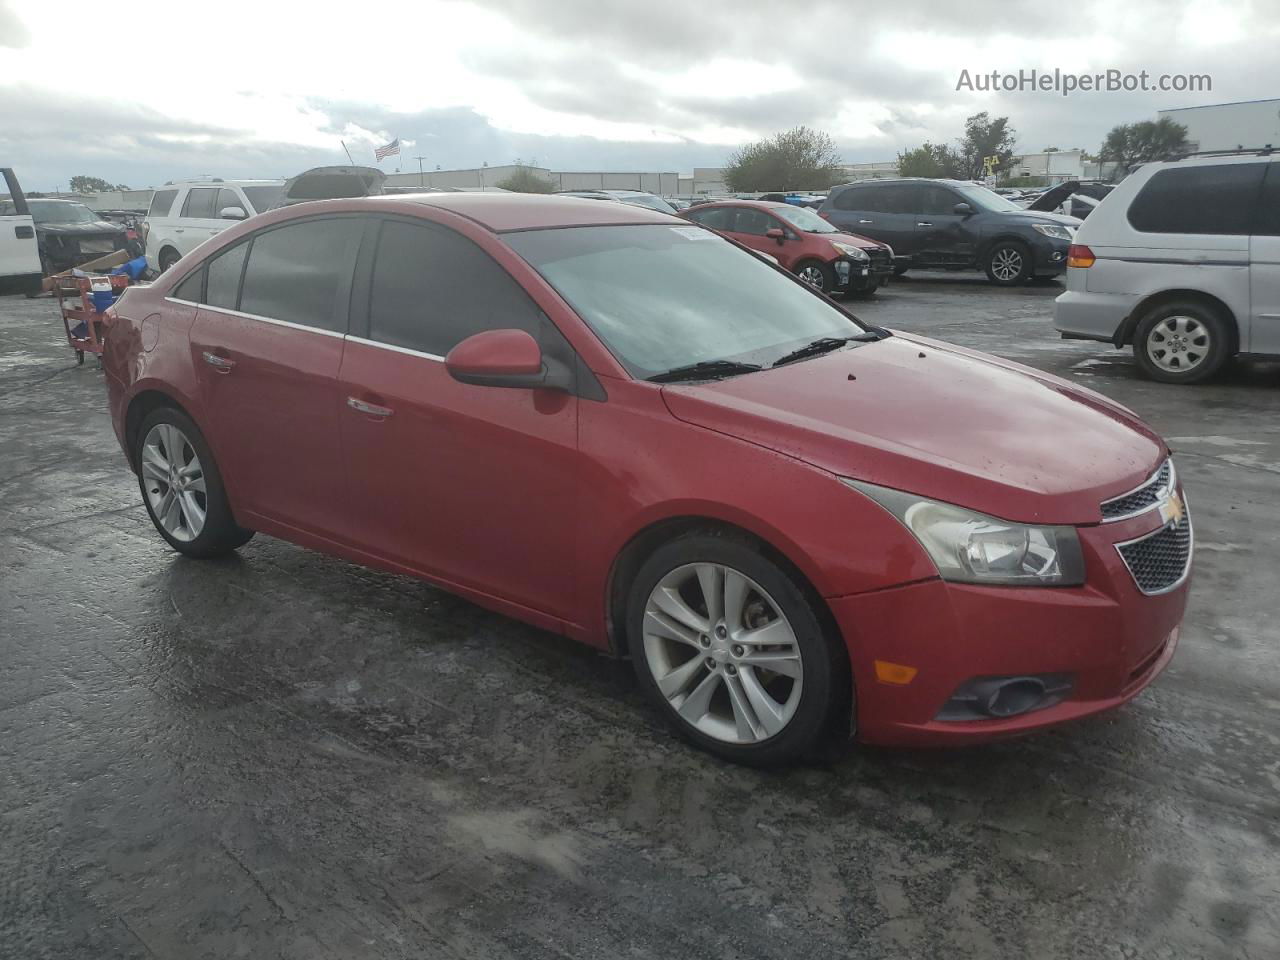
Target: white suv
[1181, 260]
[185, 214]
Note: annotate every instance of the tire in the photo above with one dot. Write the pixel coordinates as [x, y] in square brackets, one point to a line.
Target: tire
[705, 671]
[1183, 341]
[168, 257]
[866, 293]
[168, 438]
[1009, 263]
[899, 271]
[817, 274]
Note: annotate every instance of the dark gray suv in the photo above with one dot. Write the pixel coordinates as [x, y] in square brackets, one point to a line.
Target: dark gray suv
[953, 225]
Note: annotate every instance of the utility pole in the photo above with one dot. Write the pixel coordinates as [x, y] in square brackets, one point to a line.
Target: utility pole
[420, 159]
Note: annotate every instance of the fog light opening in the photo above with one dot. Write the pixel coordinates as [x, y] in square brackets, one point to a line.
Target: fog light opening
[1015, 696]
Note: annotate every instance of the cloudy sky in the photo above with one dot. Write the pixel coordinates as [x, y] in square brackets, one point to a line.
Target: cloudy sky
[239, 88]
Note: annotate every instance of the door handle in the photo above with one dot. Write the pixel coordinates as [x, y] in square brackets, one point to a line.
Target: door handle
[179, 229]
[221, 364]
[370, 408]
[866, 221]
[923, 223]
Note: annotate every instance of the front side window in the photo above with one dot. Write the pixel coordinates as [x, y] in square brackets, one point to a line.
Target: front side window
[200, 203]
[859, 198]
[1211, 199]
[224, 277]
[302, 272]
[432, 288]
[937, 201]
[228, 198]
[980, 198]
[263, 197]
[753, 222]
[802, 218]
[161, 203]
[662, 297]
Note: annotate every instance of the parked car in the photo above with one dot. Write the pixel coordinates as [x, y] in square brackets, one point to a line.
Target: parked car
[186, 213]
[331, 183]
[616, 425]
[634, 197]
[952, 225]
[1180, 262]
[68, 233]
[802, 242]
[676, 203]
[1076, 198]
[20, 267]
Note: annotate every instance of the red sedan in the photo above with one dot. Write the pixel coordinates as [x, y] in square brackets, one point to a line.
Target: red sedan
[802, 242]
[616, 425]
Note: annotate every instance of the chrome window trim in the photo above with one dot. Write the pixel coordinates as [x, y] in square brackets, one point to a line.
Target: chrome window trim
[1173, 485]
[1191, 553]
[396, 349]
[253, 316]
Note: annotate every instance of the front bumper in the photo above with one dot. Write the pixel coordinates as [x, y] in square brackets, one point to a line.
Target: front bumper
[1106, 635]
[1050, 255]
[862, 274]
[64, 251]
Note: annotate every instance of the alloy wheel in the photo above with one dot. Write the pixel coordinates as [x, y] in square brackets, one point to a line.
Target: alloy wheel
[1006, 264]
[174, 482]
[1178, 344]
[812, 275]
[722, 653]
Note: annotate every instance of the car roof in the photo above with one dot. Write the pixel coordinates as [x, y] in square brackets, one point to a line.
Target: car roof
[220, 182]
[762, 204]
[501, 212]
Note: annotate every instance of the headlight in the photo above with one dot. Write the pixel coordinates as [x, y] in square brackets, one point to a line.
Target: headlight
[969, 547]
[1055, 230]
[853, 253]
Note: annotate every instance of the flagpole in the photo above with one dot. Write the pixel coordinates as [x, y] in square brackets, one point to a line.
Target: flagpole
[347, 152]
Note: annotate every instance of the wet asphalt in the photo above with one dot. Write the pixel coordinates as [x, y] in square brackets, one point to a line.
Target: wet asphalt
[283, 755]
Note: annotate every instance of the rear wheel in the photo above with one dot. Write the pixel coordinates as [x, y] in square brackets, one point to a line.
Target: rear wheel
[816, 274]
[1182, 342]
[731, 649]
[182, 488]
[1009, 263]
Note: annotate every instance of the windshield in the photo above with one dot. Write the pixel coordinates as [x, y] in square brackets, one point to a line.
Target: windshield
[60, 211]
[802, 218]
[984, 199]
[647, 200]
[662, 297]
[263, 198]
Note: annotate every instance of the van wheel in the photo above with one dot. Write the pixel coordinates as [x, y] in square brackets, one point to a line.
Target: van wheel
[732, 651]
[817, 274]
[182, 488]
[1182, 342]
[1009, 263]
[168, 257]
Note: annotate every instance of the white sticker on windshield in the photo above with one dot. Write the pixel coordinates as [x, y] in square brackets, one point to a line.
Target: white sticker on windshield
[693, 233]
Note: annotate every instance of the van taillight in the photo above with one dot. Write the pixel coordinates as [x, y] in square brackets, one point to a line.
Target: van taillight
[1078, 255]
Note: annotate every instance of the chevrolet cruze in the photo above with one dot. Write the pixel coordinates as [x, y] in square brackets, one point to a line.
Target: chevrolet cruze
[620, 426]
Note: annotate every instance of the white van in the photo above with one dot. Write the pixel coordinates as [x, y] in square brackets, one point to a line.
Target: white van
[185, 214]
[19, 252]
[1182, 261]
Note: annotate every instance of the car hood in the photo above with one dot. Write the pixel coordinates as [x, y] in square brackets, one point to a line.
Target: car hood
[1041, 216]
[853, 239]
[940, 421]
[91, 228]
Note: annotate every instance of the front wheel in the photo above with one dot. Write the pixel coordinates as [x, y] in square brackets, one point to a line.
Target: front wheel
[867, 292]
[817, 274]
[182, 488]
[730, 648]
[1009, 263]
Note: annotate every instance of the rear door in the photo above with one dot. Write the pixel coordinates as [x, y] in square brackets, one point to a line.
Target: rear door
[199, 216]
[267, 345]
[158, 225]
[1264, 268]
[19, 255]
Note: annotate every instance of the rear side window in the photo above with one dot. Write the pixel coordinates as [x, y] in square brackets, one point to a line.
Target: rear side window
[855, 199]
[199, 203]
[161, 203]
[1215, 199]
[1269, 210]
[224, 278]
[302, 273]
[718, 218]
[433, 288]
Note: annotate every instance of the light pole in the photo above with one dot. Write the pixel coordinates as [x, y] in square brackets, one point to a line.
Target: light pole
[420, 159]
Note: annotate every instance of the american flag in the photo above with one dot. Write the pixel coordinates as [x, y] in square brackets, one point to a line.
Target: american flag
[391, 149]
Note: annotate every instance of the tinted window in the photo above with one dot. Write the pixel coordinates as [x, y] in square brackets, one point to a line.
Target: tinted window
[754, 222]
[1217, 199]
[228, 198]
[224, 277]
[936, 201]
[189, 289]
[199, 203]
[719, 218]
[1269, 210]
[263, 198]
[302, 272]
[855, 199]
[433, 288]
[161, 203]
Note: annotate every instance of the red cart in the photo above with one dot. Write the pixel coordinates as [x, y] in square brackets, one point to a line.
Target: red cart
[81, 320]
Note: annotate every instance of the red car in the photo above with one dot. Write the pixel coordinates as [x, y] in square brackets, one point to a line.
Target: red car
[802, 242]
[616, 425]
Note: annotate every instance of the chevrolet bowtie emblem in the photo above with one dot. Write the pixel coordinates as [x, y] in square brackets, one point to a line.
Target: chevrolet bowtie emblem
[1172, 510]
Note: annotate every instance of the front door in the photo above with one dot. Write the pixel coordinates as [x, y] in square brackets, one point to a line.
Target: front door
[477, 486]
[750, 225]
[942, 236]
[268, 349]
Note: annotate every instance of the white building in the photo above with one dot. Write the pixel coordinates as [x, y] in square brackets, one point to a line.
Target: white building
[486, 178]
[1228, 126]
[876, 170]
[1056, 166]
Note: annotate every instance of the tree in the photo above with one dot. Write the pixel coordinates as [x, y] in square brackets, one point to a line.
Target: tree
[986, 137]
[930, 160]
[525, 180]
[94, 185]
[799, 159]
[1129, 144]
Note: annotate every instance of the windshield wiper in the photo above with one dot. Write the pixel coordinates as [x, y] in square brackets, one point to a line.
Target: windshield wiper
[705, 370]
[827, 344]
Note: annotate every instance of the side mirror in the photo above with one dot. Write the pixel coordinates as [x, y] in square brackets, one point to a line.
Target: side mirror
[775, 233]
[233, 213]
[503, 358]
[962, 209]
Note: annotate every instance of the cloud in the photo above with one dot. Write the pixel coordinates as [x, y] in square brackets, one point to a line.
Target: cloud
[13, 32]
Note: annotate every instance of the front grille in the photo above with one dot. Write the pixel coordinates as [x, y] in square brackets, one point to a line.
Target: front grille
[1159, 560]
[1146, 496]
[879, 257]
